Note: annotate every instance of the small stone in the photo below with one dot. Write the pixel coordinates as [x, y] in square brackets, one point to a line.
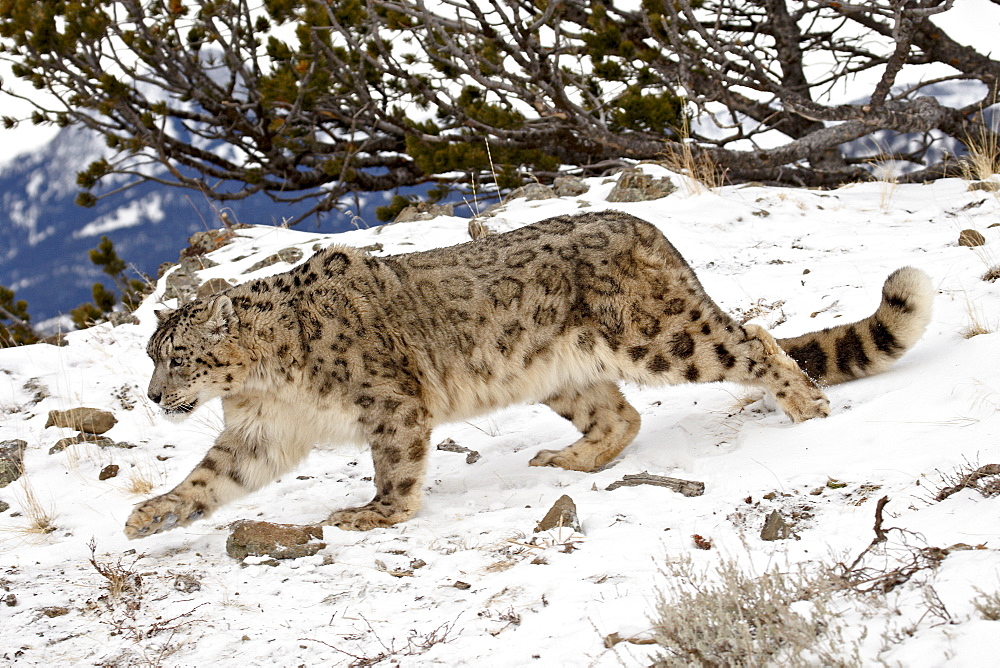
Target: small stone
[211, 287]
[478, 229]
[187, 583]
[88, 420]
[207, 241]
[291, 255]
[36, 388]
[971, 238]
[281, 541]
[635, 186]
[461, 585]
[260, 561]
[10, 600]
[164, 268]
[54, 611]
[182, 285]
[117, 318]
[4, 506]
[493, 209]
[532, 191]
[109, 471]
[100, 441]
[58, 339]
[11, 460]
[569, 186]
[562, 514]
[193, 264]
[775, 527]
[423, 211]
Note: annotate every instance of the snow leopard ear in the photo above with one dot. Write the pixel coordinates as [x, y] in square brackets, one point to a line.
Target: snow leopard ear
[163, 314]
[219, 317]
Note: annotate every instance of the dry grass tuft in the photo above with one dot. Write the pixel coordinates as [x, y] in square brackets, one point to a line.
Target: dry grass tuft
[121, 606]
[139, 483]
[983, 159]
[976, 328]
[988, 605]
[796, 617]
[734, 619]
[887, 192]
[886, 174]
[41, 518]
[143, 479]
[978, 324]
[700, 167]
[122, 583]
[992, 274]
[885, 170]
[683, 157]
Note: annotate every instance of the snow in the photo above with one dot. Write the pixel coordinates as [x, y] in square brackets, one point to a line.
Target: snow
[807, 259]
[134, 213]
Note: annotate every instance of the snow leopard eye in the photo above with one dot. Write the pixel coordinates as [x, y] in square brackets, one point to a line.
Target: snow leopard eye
[175, 362]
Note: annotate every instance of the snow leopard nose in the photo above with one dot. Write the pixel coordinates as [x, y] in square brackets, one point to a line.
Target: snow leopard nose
[154, 396]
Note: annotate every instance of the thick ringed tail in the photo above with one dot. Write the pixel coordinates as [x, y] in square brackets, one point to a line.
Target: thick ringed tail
[869, 346]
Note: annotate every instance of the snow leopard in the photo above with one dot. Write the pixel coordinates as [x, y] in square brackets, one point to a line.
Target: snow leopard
[351, 348]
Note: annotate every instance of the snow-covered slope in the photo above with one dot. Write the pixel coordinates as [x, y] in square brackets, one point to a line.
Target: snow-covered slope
[468, 582]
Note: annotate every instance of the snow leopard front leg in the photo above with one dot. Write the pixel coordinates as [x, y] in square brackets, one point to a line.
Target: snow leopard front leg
[399, 440]
[243, 459]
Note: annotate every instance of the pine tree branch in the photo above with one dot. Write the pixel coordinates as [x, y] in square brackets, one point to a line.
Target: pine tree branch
[19, 322]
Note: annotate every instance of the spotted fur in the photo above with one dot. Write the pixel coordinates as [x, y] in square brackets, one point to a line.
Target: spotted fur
[351, 348]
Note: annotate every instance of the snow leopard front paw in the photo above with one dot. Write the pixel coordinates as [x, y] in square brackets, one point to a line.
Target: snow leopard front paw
[162, 513]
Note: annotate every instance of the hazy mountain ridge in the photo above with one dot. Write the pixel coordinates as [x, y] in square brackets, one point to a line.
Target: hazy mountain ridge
[46, 236]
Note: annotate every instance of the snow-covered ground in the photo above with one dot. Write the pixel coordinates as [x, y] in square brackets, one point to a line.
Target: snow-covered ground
[467, 581]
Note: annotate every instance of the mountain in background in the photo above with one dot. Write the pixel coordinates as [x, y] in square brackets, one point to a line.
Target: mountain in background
[44, 236]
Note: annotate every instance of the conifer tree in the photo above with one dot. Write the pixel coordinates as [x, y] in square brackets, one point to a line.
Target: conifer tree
[15, 323]
[130, 290]
[309, 100]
